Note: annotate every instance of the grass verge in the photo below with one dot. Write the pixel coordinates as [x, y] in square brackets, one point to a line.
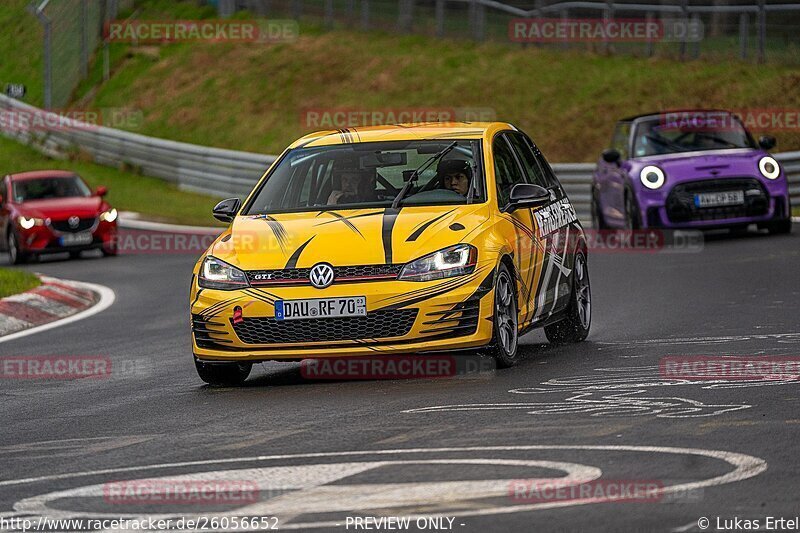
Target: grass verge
[16, 281]
[155, 199]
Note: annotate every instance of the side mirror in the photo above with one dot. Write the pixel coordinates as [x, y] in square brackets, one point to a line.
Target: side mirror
[226, 209]
[611, 155]
[101, 191]
[527, 195]
[767, 142]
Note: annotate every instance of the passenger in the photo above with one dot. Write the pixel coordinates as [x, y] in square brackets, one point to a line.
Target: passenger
[354, 186]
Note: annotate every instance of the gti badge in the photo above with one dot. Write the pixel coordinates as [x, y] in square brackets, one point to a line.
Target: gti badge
[73, 222]
[321, 275]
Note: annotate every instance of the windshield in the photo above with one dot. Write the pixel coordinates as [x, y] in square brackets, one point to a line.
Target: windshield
[702, 131]
[354, 176]
[47, 188]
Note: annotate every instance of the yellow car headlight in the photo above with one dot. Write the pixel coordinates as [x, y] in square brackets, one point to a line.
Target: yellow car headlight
[216, 274]
[453, 261]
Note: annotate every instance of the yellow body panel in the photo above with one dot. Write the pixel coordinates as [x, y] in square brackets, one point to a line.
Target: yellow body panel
[376, 236]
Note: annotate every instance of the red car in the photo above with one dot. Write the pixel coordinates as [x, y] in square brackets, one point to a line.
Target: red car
[52, 211]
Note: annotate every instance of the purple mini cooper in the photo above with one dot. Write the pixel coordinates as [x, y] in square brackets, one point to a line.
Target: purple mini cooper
[689, 169]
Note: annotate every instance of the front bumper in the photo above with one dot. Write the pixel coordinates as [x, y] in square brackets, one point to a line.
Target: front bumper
[402, 317]
[44, 239]
[674, 208]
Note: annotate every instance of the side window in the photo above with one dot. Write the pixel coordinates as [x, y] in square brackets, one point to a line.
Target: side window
[533, 169]
[619, 141]
[506, 170]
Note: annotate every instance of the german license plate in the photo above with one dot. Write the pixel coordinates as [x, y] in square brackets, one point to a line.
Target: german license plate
[716, 199]
[320, 308]
[76, 239]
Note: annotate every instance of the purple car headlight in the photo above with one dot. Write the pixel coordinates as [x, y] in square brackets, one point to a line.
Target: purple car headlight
[769, 167]
[652, 177]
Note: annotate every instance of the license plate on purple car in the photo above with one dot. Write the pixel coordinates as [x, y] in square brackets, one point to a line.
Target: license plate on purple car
[717, 199]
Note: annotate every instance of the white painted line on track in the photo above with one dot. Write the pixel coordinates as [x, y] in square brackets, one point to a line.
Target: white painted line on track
[107, 298]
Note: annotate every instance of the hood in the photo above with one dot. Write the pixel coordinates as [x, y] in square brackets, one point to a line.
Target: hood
[345, 237]
[59, 208]
[706, 164]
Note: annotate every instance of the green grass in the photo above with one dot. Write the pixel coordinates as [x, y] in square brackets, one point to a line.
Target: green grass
[16, 281]
[152, 197]
[251, 97]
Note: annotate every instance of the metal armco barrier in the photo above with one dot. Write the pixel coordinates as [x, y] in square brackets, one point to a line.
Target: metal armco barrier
[226, 173]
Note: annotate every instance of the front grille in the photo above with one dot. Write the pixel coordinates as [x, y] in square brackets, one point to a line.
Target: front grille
[681, 208]
[64, 227]
[299, 276]
[375, 325]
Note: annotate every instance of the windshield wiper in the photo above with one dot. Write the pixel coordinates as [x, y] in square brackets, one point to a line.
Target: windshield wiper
[419, 170]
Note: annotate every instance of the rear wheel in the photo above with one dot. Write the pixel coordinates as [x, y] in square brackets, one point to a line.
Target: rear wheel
[223, 374]
[598, 222]
[506, 320]
[575, 326]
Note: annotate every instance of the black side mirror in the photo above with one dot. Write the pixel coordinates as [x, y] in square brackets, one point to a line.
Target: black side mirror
[527, 195]
[767, 142]
[611, 155]
[226, 209]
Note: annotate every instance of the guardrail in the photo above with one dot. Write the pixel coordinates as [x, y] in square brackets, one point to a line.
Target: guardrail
[225, 173]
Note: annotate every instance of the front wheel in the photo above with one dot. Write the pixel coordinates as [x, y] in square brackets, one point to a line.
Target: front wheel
[575, 326]
[223, 374]
[506, 320]
[15, 255]
[780, 227]
[598, 222]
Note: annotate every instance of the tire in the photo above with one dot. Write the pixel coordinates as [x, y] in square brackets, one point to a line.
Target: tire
[575, 326]
[780, 227]
[505, 334]
[598, 222]
[15, 256]
[632, 219]
[75, 254]
[110, 250]
[223, 374]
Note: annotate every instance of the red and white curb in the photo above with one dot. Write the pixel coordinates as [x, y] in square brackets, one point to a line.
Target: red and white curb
[54, 303]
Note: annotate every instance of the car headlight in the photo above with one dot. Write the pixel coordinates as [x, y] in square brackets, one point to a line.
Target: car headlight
[28, 223]
[216, 274]
[652, 177]
[453, 261]
[769, 168]
[109, 216]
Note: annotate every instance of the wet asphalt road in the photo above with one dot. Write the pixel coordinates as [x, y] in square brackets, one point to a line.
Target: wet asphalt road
[321, 452]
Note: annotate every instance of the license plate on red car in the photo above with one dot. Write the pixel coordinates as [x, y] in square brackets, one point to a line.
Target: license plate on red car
[76, 239]
[320, 308]
[716, 199]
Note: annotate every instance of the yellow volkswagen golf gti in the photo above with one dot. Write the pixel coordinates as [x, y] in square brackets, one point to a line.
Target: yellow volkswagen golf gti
[414, 238]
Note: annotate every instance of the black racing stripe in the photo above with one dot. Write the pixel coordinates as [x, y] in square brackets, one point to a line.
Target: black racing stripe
[292, 263]
[341, 218]
[278, 230]
[351, 217]
[420, 292]
[217, 308]
[389, 218]
[260, 297]
[413, 301]
[414, 236]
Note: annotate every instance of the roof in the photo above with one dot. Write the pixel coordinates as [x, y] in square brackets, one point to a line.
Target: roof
[661, 113]
[38, 174]
[402, 132]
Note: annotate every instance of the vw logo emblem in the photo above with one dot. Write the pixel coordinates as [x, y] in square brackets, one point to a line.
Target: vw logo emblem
[321, 275]
[73, 222]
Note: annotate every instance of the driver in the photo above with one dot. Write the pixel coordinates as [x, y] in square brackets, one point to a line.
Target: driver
[455, 175]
